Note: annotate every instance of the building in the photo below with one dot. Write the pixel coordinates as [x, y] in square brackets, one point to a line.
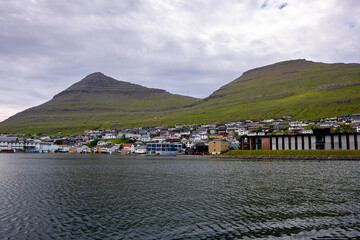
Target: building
[198, 149]
[140, 149]
[9, 143]
[345, 117]
[216, 146]
[320, 139]
[355, 118]
[163, 148]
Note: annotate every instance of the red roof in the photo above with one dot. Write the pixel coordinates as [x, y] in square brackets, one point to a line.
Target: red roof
[127, 144]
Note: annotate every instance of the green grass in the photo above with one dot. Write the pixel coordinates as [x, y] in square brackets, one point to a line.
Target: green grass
[293, 152]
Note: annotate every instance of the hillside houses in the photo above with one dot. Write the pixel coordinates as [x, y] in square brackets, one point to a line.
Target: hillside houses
[193, 138]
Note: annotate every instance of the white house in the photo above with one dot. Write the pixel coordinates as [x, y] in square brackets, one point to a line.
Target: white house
[140, 149]
[203, 136]
[297, 124]
[46, 147]
[326, 124]
[176, 135]
[145, 138]
[159, 139]
[242, 131]
[133, 136]
[185, 133]
[83, 149]
[109, 136]
[307, 131]
[64, 148]
[189, 144]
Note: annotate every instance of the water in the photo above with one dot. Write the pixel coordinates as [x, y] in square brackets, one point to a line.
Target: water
[64, 196]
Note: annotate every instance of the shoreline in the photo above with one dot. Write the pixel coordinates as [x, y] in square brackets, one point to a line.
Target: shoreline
[287, 157]
[227, 157]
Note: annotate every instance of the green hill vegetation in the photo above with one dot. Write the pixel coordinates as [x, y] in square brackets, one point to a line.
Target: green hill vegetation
[303, 89]
[96, 102]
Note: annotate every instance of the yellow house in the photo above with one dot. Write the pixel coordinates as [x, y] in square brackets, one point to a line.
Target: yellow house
[98, 149]
[216, 146]
[72, 150]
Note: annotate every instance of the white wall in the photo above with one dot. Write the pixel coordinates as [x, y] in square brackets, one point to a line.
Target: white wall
[343, 142]
[286, 141]
[313, 143]
[328, 142]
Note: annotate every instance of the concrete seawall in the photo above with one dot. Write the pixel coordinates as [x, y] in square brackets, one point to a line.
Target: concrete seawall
[286, 157]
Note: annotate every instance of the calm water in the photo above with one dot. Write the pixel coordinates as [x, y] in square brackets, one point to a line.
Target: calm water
[113, 197]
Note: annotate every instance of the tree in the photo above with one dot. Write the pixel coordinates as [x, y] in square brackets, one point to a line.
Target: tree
[93, 143]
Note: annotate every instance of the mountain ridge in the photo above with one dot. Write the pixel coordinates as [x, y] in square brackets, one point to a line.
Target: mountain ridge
[98, 81]
[304, 89]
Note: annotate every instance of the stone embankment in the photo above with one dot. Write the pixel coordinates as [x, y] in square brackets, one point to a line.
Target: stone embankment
[286, 157]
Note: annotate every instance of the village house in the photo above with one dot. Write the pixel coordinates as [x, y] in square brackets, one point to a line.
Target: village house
[307, 131]
[198, 149]
[216, 146]
[242, 131]
[109, 136]
[193, 135]
[355, 118]
[140, 149]
[83, 149]
[72, 150]
[145, 138]
[296, 130]
[126, 146]
[345, 117]
[326, 124]
[163, 148]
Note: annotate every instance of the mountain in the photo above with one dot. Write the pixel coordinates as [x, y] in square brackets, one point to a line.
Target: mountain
[94, 102]
[304, 89]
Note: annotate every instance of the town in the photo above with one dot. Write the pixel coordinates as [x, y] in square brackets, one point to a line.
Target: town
[199, 139]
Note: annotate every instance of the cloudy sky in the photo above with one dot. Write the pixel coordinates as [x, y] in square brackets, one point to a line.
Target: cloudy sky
[189, 47]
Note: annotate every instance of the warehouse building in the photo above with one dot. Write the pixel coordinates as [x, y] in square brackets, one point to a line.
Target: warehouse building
[320, 139]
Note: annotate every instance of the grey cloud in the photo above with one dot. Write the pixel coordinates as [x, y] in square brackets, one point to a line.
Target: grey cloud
[181, 46]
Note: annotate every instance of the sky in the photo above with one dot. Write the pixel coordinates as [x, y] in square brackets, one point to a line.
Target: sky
[188, 47]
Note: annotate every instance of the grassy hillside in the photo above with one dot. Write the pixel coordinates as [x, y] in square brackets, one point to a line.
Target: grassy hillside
[97, 101]
[304, 89]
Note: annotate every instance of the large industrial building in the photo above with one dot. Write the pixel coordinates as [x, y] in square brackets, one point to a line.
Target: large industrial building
[320, 139]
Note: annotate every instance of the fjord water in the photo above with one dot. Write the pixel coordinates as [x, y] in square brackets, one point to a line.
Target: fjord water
[64, 196]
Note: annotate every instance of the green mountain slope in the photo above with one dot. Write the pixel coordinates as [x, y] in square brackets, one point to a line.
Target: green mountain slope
[96, 101]
[304, 89]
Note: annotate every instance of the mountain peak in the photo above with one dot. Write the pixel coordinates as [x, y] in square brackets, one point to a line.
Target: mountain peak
[96, 74]
[99, 83]
[97, 78]
[288, 65]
